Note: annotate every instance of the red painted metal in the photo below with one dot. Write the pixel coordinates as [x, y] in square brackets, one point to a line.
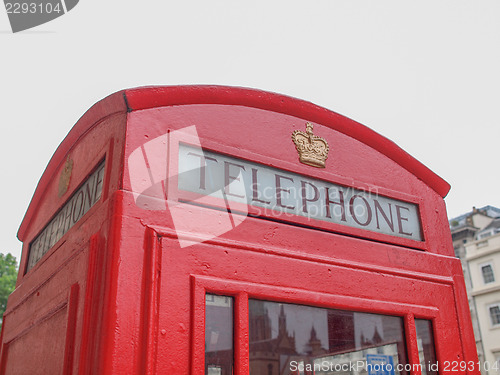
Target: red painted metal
[151, 97]
[119, 294]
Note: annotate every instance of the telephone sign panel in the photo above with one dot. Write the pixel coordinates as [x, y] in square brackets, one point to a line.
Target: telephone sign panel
[225, 177]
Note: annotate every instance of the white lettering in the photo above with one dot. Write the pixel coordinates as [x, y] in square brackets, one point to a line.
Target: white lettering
[293, 195]
[72, 211]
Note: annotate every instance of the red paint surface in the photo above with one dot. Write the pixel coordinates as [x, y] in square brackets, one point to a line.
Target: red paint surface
[119, 295]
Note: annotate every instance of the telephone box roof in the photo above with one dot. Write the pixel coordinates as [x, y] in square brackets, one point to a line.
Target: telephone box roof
[141, 98]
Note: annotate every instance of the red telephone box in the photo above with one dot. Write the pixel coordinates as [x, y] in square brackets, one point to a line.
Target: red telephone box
[216, 230]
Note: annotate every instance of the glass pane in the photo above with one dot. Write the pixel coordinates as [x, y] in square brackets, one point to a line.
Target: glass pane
[218, 335]
[295, 339]
[426, 352]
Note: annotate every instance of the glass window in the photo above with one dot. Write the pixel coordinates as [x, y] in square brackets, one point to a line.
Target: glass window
[426, 352]
[295, 340]
[488, 275]
[218, 335]
[495, 314]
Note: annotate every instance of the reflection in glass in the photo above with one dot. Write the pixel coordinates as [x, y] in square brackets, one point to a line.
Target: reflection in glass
[426, 352]
[288, 339]
[218, 335]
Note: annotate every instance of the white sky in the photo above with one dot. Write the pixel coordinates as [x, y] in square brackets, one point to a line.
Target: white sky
[425, 74]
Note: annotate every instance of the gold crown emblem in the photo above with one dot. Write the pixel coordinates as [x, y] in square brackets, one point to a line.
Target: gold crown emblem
[313, 150]
[65, 177]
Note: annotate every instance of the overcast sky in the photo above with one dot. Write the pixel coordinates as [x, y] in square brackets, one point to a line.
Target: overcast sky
[425, 74]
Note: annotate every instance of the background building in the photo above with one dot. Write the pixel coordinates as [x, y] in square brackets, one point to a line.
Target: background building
[476, 240]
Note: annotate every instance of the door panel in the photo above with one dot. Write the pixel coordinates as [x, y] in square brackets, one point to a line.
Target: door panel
[249, 277]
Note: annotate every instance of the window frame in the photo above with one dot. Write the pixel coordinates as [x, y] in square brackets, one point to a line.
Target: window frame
[484, 265]
[242, 291]
[491, 306]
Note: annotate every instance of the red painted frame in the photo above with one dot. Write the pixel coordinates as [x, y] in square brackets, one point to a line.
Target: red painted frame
[243, 291]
